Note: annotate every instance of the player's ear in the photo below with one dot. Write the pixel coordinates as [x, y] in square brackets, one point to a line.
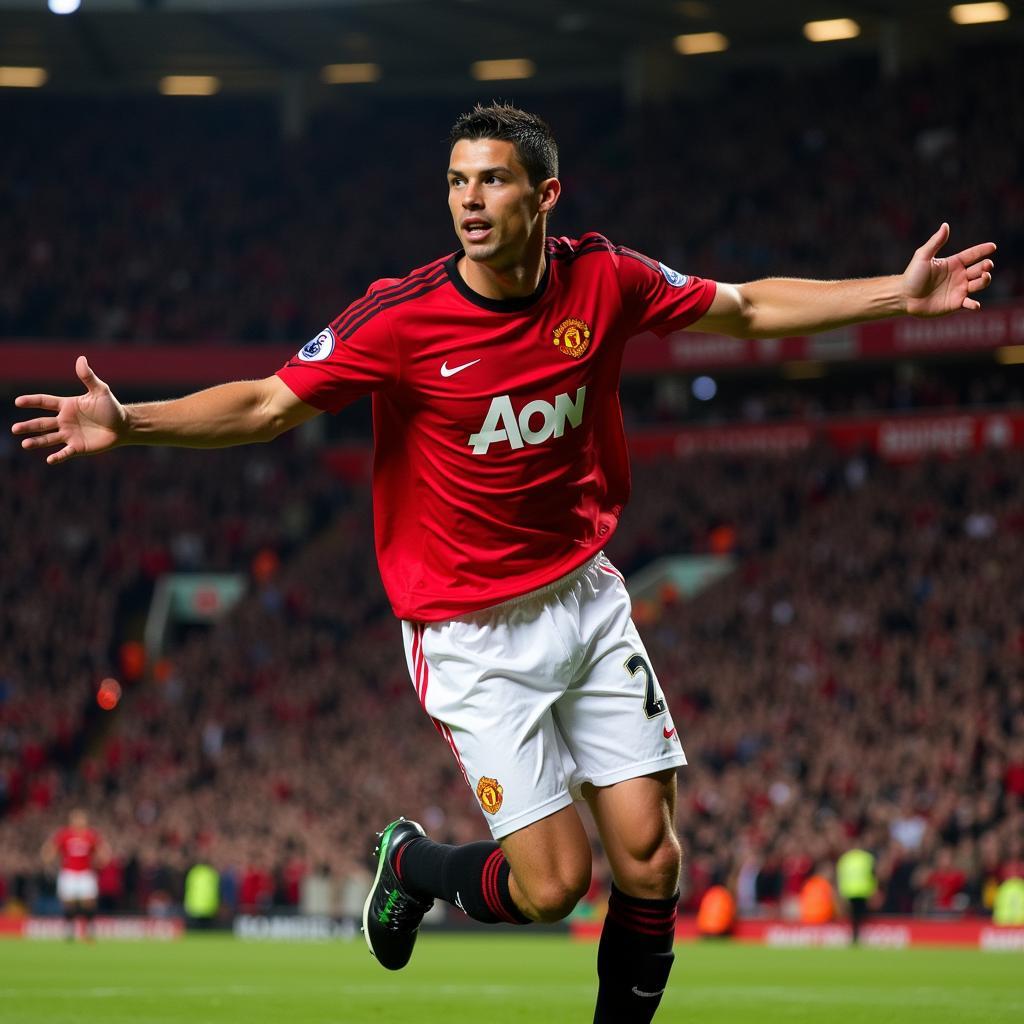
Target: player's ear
[548, 192]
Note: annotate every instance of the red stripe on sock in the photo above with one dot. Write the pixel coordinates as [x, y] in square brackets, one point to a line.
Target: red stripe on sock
[491, 889]
[488, 886]
[635, 926]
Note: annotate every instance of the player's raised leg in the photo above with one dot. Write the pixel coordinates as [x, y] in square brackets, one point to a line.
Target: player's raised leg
[537, 873]
[636, 821]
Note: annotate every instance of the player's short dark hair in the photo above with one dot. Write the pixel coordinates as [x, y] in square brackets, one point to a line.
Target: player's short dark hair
[533, 140]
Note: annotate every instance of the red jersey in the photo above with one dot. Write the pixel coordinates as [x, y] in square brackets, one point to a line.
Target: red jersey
[500, 460]
[76, 847]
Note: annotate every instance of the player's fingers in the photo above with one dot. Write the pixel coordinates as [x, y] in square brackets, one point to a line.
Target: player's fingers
[979, 283]
[979, 268]
[936, 242]
[43, 440]
[39, 426]
[51, 402]
[976, 252]
[62, 456]
[971, 304]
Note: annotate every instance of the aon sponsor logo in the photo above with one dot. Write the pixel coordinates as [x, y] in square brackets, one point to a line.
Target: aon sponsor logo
[535, 423]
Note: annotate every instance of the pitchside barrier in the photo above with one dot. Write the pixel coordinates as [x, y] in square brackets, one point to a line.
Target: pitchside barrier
[883, 933]
[887, 933]
[160, 929]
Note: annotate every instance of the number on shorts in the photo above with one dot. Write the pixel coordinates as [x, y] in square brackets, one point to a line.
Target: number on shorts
[653, 704]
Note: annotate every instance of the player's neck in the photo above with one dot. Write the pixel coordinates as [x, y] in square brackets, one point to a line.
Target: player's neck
[513, 282]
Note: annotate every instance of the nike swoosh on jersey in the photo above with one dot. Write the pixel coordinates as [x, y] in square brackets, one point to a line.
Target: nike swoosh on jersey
[668, 733]
[450, 371]
[647, 995]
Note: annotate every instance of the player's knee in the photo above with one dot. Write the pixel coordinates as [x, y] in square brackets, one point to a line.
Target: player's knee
[652, 869]
[554, 899]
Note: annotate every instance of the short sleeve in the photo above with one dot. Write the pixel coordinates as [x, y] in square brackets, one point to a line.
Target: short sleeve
[353, 356]
[660, 299]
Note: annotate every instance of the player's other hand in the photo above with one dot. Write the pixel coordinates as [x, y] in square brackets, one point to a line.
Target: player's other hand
[79, 424]
[935, 285]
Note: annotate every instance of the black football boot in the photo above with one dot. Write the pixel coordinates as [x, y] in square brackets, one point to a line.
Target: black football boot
[391, 916]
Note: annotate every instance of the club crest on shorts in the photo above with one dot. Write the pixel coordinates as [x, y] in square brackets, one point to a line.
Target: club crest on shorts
[488, 792]
[318, 348]
[572, 336]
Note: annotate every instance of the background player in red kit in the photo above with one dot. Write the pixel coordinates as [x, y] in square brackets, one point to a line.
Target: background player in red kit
[500, 470]
[80, 850]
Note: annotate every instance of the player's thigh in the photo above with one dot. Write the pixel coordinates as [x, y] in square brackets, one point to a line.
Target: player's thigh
[636, 821]
[550, 861]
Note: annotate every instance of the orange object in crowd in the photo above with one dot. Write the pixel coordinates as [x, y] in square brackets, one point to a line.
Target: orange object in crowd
[717, 912]
[817, 904]
[722, 539]
[133, 660]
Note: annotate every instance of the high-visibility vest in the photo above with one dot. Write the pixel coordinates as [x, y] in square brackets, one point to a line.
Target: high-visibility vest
[717, 912]
[817, 905]
[855, 875]
[1009, 905]
[202, 891]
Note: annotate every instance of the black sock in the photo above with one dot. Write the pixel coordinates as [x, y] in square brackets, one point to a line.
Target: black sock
[634, 958]
[473, 877]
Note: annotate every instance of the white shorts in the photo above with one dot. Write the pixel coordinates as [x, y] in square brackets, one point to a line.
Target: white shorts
[541, 694]
[76, 885]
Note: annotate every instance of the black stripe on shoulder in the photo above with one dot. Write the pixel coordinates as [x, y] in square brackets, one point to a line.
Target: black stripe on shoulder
[569, 255]
[360, 306]
[645, 260]
[416, 290]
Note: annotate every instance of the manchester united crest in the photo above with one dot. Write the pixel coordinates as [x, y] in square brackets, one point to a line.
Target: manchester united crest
[572, 336]
[488, 792]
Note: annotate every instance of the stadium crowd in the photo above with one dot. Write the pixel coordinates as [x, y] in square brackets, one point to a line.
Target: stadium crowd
[128, 243]
[857, 678]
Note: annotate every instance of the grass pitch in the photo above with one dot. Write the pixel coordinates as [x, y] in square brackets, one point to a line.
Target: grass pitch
[491, 979]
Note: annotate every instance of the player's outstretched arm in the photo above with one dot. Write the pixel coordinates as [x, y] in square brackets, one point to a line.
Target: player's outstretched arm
[930, 286]
[241, 412]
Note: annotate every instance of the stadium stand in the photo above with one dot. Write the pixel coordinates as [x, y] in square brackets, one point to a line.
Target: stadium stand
[858, 677]
[271, 247]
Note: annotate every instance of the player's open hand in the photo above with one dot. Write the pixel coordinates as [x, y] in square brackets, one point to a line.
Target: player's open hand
[80, 424]
[935, 285]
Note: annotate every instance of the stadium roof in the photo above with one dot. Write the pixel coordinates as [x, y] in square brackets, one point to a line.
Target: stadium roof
[430, 45]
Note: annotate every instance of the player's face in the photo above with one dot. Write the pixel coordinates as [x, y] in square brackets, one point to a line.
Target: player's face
[495, 208]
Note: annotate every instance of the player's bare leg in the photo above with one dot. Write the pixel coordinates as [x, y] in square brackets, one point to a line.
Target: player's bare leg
[550, 865]
[636, 821]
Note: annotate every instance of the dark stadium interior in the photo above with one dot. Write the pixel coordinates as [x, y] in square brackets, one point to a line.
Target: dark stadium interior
[858, 677]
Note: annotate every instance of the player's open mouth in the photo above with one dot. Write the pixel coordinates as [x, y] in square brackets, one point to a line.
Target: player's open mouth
[476, 230]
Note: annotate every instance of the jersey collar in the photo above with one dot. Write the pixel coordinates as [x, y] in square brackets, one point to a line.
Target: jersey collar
[514, 305]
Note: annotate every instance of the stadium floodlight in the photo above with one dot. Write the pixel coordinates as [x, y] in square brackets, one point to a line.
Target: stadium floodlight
[691, 43]
[63, 6]
[349, 74]
[189, 85]
[978, 14]
[23, 78]
[831, 29]
[503, 70]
